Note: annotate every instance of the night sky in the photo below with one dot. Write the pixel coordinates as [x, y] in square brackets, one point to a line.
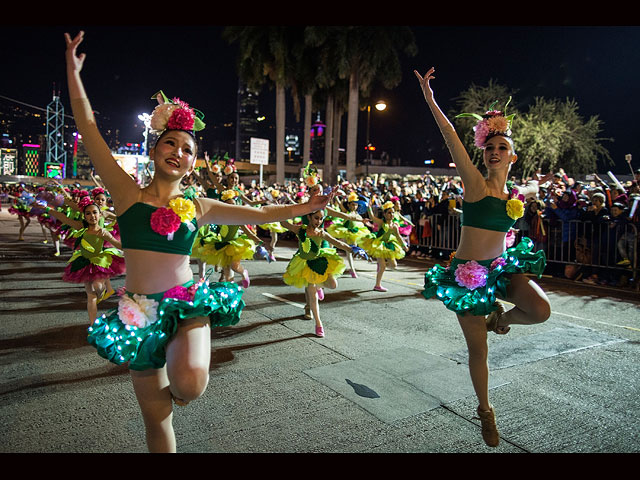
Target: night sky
[598, 66]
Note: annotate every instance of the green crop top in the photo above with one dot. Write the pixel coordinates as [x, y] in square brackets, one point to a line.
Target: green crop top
[489, 213]
[136, 232]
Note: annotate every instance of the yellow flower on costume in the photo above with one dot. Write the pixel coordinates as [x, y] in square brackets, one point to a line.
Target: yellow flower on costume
[184, 208]
[515, 208]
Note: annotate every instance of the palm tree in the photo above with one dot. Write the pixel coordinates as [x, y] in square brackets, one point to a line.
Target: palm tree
[365, 56]
[265, 53]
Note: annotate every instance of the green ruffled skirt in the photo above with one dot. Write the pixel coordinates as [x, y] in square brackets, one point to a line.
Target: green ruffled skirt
[485, 279]
[143, 347]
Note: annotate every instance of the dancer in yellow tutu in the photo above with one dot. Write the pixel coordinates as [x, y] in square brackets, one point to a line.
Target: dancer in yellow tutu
[348, 226]
[386, 245]
[226, 245]
[316, 264]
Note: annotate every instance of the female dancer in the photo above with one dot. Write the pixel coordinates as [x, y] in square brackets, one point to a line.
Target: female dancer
[315, 265]
[482, 268]
[96, 257]
[350, 229]
[226, 246]
[161, 328]
[386, 245]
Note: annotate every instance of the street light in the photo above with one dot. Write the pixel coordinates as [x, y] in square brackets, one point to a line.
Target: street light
[380, 106]
[146, 119]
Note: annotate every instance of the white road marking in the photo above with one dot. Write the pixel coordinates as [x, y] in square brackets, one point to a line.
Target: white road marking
[299, 305]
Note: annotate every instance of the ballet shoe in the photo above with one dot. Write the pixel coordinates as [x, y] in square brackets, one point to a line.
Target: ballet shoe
[105, 295]
[493, 320]
[245, 280]
[307, 312]
[490, 433]
[354, 274]
[319, 331]
[379, 289]
[320, 294]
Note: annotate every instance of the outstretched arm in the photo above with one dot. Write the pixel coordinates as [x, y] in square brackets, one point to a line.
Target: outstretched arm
[75, 224]
[214, 211]
[121, 186]
[471, 176]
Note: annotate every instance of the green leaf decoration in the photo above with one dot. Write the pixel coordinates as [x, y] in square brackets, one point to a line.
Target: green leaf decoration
[474, 115]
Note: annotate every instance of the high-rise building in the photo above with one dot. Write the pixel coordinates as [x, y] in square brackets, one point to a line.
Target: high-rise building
[247, 122]
[317, 140]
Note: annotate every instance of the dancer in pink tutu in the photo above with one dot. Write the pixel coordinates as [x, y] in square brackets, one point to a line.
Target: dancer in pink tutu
[96, 257]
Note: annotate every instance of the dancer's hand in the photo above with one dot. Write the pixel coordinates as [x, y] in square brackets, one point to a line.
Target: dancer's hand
[74, 61]
[424, 83]
[319, 202]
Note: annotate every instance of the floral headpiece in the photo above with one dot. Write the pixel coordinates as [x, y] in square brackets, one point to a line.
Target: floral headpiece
[353, 197]
[97, 191]
[229, 165]
[310, 175]
[84, 202]
[175, 115]
[217, 166]
[492, 123]
[228, 194]
[387, 205]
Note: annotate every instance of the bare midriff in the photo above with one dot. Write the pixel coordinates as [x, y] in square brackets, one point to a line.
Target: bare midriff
[154, 272]
[479, 244]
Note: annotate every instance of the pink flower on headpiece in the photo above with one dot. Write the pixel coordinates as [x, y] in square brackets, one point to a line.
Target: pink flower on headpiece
[481, 131]
[471, 275]
[165, 221]
[182, 117]
[97, 191]
[84, 202]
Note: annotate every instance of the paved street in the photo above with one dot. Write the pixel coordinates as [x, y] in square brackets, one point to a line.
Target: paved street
[389, 377]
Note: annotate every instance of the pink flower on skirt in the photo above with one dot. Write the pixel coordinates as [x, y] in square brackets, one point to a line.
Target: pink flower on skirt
[179, 293]
[165, 221]
[496, 262]
[471, 275]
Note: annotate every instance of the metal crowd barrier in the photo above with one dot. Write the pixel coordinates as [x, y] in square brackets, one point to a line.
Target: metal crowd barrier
[601, 246]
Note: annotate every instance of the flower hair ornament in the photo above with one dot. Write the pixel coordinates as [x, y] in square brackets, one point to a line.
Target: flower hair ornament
[388, 205]
[229, 165]
[492, 123]
[310, 175]
[175, 115]
[84, 202]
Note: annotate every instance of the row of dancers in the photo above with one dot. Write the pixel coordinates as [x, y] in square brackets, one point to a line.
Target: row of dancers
[161, 328]
[85, 223]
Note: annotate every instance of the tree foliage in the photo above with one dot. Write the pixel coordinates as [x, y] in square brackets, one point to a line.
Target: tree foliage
[549, 135]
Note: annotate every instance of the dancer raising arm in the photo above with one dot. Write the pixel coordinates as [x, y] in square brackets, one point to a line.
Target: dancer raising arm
[161, 328]
[482, 267]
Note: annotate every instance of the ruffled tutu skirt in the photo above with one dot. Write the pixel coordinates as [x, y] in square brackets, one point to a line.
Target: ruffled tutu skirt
[351, 235]
[378, 248]
[109, 263]
[302, 272]
[468, 286]
[137, 332]
[21, 211]
[273, 227]
[215, 252]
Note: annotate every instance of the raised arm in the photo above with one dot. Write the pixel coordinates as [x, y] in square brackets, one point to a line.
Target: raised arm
[471, 176]
[121, 186]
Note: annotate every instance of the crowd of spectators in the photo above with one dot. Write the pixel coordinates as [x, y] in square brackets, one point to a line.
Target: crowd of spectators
[588, 228]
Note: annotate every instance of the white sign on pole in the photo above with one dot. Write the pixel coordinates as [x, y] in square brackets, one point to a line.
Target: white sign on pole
[259, 151]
